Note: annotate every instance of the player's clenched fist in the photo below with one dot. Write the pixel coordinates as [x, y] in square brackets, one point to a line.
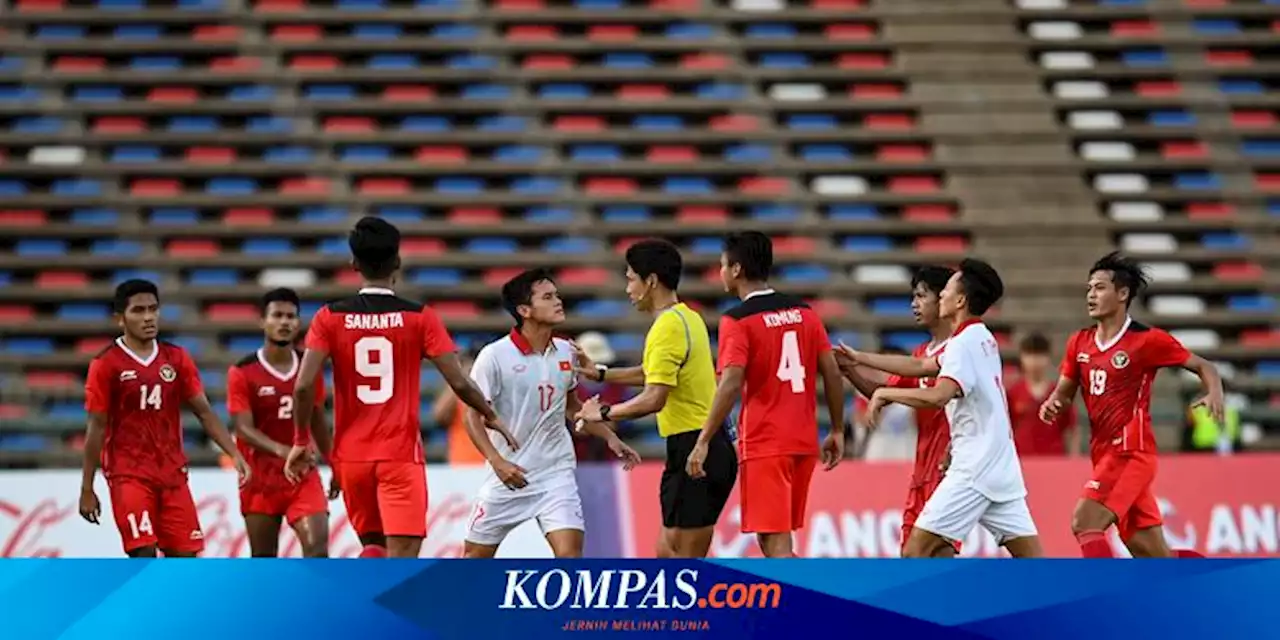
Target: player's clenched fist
[297, 463]
[1050, 409]
[628, 455]
[874, 407]
[90, 508]
[510, 474]
[697, 457]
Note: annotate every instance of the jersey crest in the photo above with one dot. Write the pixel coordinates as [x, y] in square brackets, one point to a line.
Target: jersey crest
[1120, 360]
[168, 374]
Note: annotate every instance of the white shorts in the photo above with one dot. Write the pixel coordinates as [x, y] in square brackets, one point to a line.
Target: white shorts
[554, 509]
[954, 508]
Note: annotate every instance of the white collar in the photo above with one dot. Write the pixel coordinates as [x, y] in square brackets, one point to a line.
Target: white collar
[761, 292]
[275, 373]
[376, 291]
[933, 348]
[1097, 335]
[155, 351]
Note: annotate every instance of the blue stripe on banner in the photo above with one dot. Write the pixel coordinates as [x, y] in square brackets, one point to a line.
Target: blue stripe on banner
[467, 600]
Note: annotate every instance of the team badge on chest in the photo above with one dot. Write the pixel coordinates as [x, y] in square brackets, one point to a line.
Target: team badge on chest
[1120, 360]
[168, 374]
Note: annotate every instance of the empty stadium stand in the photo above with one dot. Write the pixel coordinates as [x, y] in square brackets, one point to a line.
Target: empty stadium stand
[224, 146]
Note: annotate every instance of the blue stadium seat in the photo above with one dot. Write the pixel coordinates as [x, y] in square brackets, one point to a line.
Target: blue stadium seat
[329, 92]
[784, 60]
[748, 153]
[491, 245]
[95, 216]
[1197, 181]
[6, 278]
[851, 338]
[78, 187]
[1269, 369]
[1144, 58]
[12, 187]
[133, 153]
[774, 212]
[1240, 86]
[548, 214]
[809, 121]
[628, 60]
[97, 94]
[626, 341]
[595, 153]
[470, 62]
[83, 312]
[288, 154]
[377, 31]
[890, 306]
[706, 244]
[196, 124]
[867, 243]
[502, 124]
[365, 153]
[601, 309]
[137, 32]
[804, 273]
[66, 411]
[904, 340]
[626, 213]
[177, 216]
[361, 5]
[599, 5]
[825, 153]
[1260, 148]
[430, 378]
[269, 124]
[333, 246]
[455, 31]
[244, 343]
[40, 248]
[1121, 3]
[213, 278]
[10, 63]
[155, 63]
[571, 245]
[393, 62]
[322, 214]
[171, 312]
[519, 153]
[436, 277]
[310, 308]
[1171, 118]
[267, 246]
[460, 186]
[486, 92]
[231, 186]
[401, 213]
[1224, 241]
[687, 186]
[122, 5]
[38, 124]
[720, 91]
[1251, 303]
[1273, 208]
[23, 442]
[27, 346]
[689, 31]
[564, 91]
[1215, 27]
[114, 247]
[60, 32]
[537, 185]
[216, 378]
[725, 305]
[658, 123]
[771, 30]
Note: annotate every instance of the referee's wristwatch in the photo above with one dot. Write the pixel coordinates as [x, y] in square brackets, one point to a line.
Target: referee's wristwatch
[604, 411]
[601, 370]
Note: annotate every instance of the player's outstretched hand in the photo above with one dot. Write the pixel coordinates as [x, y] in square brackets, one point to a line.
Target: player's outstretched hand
[590, 411]
[583, 365]
[697, 457]
[297, 463]
[832, 450]
[874, 407]
[90, 508]
[243, 470]
[510, 474]
[847, 354]
[335, 488]
[628, 455]
[1050, 409]
[1215, 403]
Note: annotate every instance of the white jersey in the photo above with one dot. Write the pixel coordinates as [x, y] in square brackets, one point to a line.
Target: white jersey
[529, 392]
[982, 450]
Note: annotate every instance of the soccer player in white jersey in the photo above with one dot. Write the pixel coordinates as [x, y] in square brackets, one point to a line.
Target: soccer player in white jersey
[528, 377]
[983, 484]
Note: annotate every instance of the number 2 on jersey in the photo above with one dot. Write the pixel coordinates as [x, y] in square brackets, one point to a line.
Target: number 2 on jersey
[1097, 382]
[373, 360]
[790, 368]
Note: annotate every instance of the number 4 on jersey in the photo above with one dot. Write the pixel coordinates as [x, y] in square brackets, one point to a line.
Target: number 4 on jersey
[790, 368]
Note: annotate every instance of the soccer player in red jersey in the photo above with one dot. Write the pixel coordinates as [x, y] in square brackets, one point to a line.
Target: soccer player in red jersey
[770, 347]
[260, 401]
[933, 434]
[377, 341]
[1116, 361]
[1031, 435]
[134, 395]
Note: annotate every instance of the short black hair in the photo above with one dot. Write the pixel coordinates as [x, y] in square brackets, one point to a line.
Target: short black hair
[282, 294]
[656, 257]
[1126, 273]
[519, 290]
[982, 285]
[933, 277]
[375, 245]
[753, 251]
[1035, 343]
[129, 289]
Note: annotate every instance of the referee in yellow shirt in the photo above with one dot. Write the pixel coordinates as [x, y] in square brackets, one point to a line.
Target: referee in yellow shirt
[678, 375]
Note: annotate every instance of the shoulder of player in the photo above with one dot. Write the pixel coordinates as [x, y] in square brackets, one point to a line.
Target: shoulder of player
[502, 347]
[765, 304]
[374, 304]
[247, 361]
[562, 345]
[171, 350]
[106, 352]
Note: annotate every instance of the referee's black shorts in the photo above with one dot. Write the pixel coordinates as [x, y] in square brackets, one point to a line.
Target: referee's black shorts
[692, 504]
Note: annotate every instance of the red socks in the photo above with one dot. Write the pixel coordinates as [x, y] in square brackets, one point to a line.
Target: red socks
[1186, 553]
[373, 551]
[1094, 544]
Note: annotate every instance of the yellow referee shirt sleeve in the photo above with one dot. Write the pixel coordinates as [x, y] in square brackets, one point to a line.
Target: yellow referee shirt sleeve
[664, 350]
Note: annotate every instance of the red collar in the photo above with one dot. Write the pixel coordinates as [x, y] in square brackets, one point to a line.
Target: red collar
[964, 325]
[522, 343]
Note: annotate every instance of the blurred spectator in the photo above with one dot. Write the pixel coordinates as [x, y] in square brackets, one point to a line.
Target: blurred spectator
[1031, 435]
[1203, 434]
[447, 412]
[894, 439]
[595, 346]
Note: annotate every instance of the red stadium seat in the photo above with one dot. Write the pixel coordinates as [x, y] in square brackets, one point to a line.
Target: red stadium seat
[155, 187]
[297, 32]
[712, 274]
[620, 247]
[50, 379]
[408, 93]
[249, 217]
[519, 5]
[584, 276]
[928, 213]
[1228, 58]
[279, 6]
[533, 33]
[902, 153]
[348, 124]
[305, 186]
[475, 215]
[62, 280]
[1268, 181]
[734, 122]
[184, 95]
[1264, 338]
[16, 412]
[38, 6]
[211, 155]
[795, 245]
[1237, 271]
[192, 248]
[1210, 210]
[498, 276]
[383, 186]
[941, 244]
[79, 64]
[1183, 149]
[609, 186]
[827, 308]
[420, 246]
[119, 124]
[671, 154]
[643, 92]
[235, 64]
[836, 5]
[612, 32]
[456, 308]
[1134, 28]
[704, 61]
[93, 344]
[914, 184]
[548, 62]
[875, 91]
[889, 121]
[441, 154]
[764, 185]
[314, 62]
[701, 213]
[849, 31]
[348, 278]
[1157, 88]
[578, 123]
[216, 33]
[865, 60]
[231, 312]
[675, 5]
[1249, 119]
[23, 218]
[15, 313]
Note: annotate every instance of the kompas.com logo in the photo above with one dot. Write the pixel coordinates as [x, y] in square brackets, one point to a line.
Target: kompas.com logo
[631, 589]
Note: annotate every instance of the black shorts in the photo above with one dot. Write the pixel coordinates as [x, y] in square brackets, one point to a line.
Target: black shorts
[692, 504]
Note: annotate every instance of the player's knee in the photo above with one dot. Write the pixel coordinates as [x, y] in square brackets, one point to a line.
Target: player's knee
[775, 545]
[149, 551]
[1089, 516]
[315, 550]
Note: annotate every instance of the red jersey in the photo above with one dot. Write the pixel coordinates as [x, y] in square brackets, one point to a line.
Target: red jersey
[933, 432]
[255, 387]
[377, 342]
[142, 398]
[777, 339]
[1117, 378]
[1031, 435]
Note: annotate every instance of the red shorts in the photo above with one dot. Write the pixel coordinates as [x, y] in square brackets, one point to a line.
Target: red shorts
[148, 515]
[917, 495]
[775, 492]
[1122, 483]
[294, 501]
[385, 497]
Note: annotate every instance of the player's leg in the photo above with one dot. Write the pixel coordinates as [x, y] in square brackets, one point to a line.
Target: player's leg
[308, 515]
[1011, 524]
[263, 531]
[178, 524]
[948, 516]
[360, 496]
[402, 500]
[1119, 479]
[134, 505]
[491, 522]
[691, 507]
[560, 517]
[1142, 529]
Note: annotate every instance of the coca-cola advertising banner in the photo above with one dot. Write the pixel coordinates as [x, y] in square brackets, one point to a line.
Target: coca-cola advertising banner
[1219, 506]
[39, 518]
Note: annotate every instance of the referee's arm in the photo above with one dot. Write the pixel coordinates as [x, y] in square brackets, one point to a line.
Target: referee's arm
[664, 352]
